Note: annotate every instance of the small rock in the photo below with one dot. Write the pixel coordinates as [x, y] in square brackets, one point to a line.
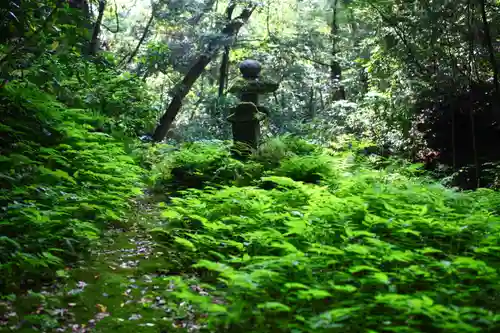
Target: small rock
[135, 317]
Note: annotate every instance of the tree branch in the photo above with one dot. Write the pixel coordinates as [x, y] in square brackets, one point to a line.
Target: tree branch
[401, 36]
[130, 57]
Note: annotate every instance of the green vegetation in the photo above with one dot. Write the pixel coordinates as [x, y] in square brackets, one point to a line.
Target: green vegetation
[61, 182]
[371, 204]
[364, 250]
[334, 244]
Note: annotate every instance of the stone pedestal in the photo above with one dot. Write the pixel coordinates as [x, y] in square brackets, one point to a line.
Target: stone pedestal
[245, 119]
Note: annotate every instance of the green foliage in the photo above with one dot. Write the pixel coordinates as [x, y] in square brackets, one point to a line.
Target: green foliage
[200, 164]
[62, 181]
[66, 117]
[197, 164]
[380, 251]
[297, 238]
[309, 169]
[274, 150]
[121, 98]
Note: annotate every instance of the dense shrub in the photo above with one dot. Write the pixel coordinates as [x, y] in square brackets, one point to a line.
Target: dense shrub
[381, 251]
[275, 150]
[309, 169]
[61, 182]
[199, 164]
[121, 99]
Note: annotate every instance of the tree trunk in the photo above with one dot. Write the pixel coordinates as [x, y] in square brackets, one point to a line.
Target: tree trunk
[470, 21]
[224, 66]
[335, 69]
[311, 105]
[229, 31]
[491, 50]
[94, 42]
[224, 69]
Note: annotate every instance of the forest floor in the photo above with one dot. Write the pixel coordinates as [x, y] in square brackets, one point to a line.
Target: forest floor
[363, 248]
[120, 289]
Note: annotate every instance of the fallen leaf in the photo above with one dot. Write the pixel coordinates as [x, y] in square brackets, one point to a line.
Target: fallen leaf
[102, 315]
[101, 307]
[135, 317]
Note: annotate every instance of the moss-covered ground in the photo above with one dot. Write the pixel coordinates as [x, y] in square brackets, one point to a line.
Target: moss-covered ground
[120, 290]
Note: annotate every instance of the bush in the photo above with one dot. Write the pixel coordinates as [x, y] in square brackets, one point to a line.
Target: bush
[199, 164]
[62, 181]
[120, 100]
[272, 152]
[309, 169]
[382, 251]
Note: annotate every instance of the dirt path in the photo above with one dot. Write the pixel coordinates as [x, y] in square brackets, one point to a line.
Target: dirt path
[121, 290]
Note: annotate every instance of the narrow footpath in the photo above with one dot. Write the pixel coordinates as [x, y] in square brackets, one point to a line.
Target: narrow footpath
[121, 289]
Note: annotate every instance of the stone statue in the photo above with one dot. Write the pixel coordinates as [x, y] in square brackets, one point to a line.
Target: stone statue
[247, 115]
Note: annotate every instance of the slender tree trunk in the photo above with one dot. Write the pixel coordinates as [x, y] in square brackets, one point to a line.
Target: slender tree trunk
[321, 99]
[470, 19]
[224, 66]
[453, 140]
[128, 59]
[224, 69]
[491, 50]
[94, 42]
[312, 109]
[229, 31]
[477, 167]
[179, 93]
[335, 70]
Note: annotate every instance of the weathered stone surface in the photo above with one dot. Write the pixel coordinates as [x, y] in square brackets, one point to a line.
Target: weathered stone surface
[245, 112]
[250, 69]
[247, 115]
[254, 86]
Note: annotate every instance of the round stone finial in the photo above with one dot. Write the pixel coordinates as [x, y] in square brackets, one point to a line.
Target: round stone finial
[250, 69]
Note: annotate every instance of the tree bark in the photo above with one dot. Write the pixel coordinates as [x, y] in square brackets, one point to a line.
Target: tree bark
[491, 50]
[335, 69]
[311, 105]
[224, 66]
[94, 42]
[470, 21]
[182, 89]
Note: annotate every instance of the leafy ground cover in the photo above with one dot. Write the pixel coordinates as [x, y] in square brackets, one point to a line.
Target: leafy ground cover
[62, 182]
[351, 249]
[297, 239]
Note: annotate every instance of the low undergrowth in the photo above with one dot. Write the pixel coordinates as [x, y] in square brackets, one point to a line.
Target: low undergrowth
[62, 182]
[199, 164]
[324, 242]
